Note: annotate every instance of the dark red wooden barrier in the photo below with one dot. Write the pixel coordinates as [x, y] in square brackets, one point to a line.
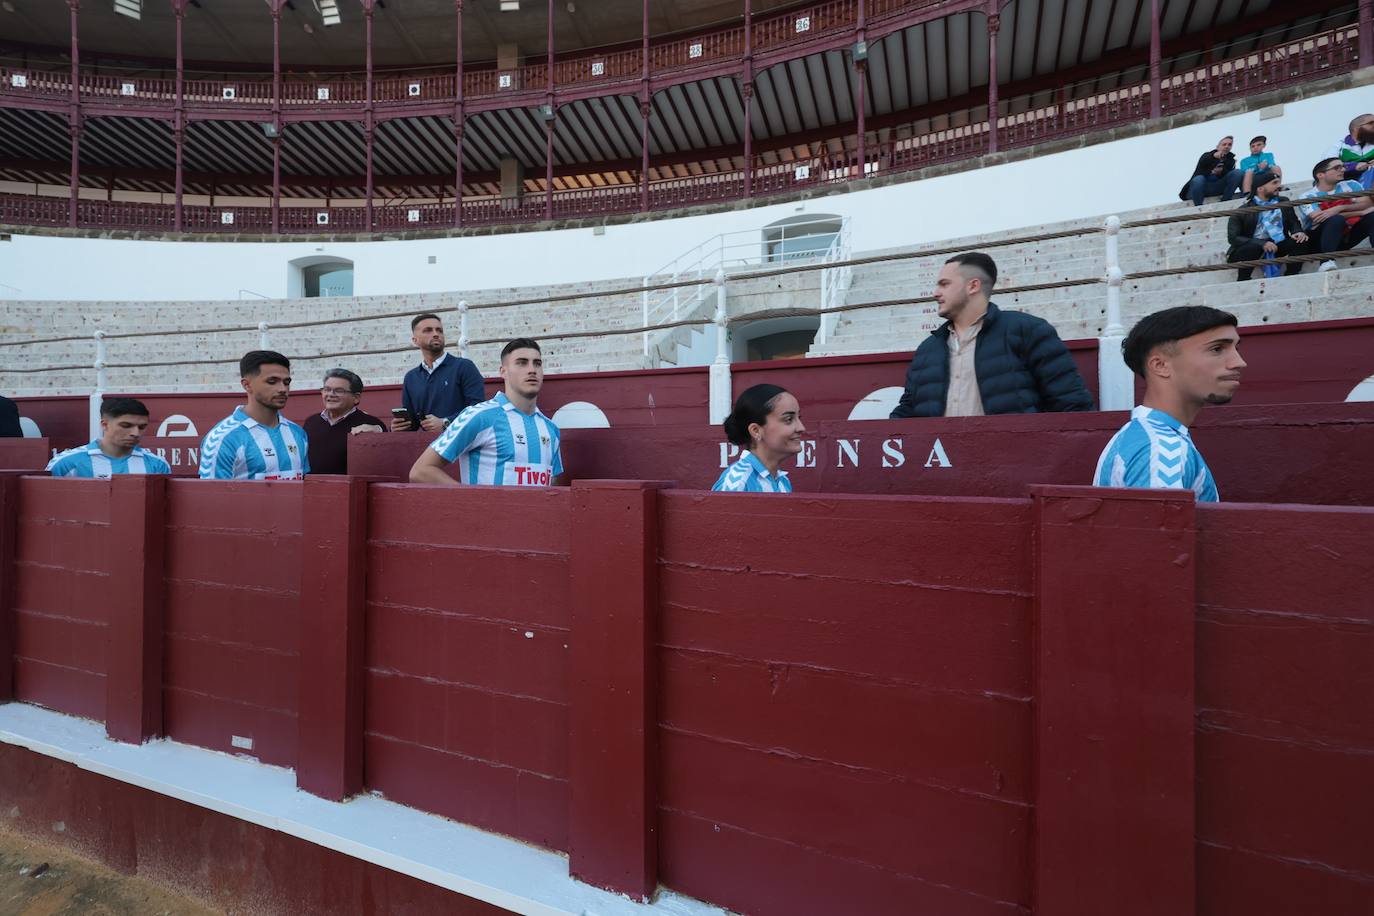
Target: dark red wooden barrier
[24, 454]
[844, 709]
[233, 579]
[1302, 453]
[1285, 726]
[467, 655]
[828, 703]
[61, 595]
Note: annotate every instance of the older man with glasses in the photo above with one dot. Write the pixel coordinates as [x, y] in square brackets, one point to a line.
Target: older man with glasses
[330, 429]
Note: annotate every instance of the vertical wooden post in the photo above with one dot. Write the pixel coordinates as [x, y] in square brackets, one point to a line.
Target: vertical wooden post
[613, 742]
[1114, 703]
[74, 120]
[860, 88]
[458, 118]
[133, 666]
[747, 92]
[1156, 101]
[369, 122]
[329, 759]
[994, 24]
[646, 108]
[179, 123]
[9, 544]
[275, 7]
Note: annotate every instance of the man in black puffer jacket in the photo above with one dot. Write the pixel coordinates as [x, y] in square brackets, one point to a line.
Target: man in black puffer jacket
[983, 360]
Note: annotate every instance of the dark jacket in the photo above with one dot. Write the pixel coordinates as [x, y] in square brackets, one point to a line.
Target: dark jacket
[1240, 228]
[1205, 163]
[329, 444]
[453, 385]
[1022, 367]
[9, 420]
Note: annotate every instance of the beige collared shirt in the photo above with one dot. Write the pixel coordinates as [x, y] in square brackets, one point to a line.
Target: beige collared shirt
[963, 399]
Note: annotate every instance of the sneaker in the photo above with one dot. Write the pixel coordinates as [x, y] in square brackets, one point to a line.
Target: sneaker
[1325, 266]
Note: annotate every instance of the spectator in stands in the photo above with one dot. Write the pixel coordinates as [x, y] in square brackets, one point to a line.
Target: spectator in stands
[256, 442]
[330, 429]
[1356, 151]
[1257, 161]
[1189, 357]
[9, 420]
[505, 441]
[1276, 231]
[442, 386]
[766, 425]
[1335, 225]
[984, 360]
[1215, 174]
[123, 421]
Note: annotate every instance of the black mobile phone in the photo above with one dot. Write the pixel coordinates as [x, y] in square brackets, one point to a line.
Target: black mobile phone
[400, 413]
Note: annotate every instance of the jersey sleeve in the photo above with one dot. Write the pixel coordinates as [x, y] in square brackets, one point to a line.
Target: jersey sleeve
[557, 455]
[64, 465]
[735, 479]
[460, 435]
[217, 455]
[155, 464]
[1126, 462]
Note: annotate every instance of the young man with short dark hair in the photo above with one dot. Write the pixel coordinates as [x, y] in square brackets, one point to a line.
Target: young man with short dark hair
[983, 360]
[123, 421]
[1257, 161]
[1275, 231]
[441, 387]
[1334, 225]
[1189, 357]
[341, 419]
[506, 441]
[256, 442]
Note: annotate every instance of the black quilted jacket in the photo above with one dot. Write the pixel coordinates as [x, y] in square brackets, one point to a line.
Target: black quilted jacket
[1022, 366]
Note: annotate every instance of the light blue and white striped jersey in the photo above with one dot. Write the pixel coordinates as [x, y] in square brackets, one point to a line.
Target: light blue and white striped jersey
[748, 475]
[497, 445]
[90, 461]
[241, 448]
[1153, 450]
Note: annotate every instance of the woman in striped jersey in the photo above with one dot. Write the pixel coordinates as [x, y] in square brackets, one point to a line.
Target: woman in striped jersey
[766, 425]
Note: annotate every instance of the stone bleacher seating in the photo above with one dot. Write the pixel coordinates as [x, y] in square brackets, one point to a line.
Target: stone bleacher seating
[1076, 312]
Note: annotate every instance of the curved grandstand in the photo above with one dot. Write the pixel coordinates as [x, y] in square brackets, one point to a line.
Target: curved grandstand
[286, 119]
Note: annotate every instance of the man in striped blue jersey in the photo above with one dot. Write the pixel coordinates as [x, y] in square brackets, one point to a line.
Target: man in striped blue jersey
[123, 421]
[256, 442]
[1189, 357]
[506, 441]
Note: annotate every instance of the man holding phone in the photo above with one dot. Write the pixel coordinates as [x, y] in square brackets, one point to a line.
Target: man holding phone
[506, 441]
[441, 387]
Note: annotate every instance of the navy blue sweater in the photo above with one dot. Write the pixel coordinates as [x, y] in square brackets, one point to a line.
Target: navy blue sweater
[1022, 367]
[454, 385]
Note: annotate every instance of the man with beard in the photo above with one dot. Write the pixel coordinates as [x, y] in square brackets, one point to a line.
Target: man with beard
[1189, 357]
[983, 360]
[1356, 151]
[506, 441]
[256, 442]
[441, 387]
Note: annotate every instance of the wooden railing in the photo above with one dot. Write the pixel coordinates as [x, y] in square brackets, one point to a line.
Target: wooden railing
[1302, 60]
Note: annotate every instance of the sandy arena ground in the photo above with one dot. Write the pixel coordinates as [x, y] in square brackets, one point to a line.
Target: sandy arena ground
[37, 880]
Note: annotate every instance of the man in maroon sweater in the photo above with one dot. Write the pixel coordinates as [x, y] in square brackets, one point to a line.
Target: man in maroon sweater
[329, 429]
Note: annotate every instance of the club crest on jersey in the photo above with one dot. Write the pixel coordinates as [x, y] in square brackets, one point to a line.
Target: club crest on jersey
[544, 440]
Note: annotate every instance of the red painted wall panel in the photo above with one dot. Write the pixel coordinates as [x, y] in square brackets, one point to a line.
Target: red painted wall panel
[61, 565]
[861, 654]
[759, 874]
[467, 655]
[232, 616]
[1285, 633]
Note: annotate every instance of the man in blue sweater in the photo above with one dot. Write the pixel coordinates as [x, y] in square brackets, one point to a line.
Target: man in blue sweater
[442, 386]
[983, 360]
